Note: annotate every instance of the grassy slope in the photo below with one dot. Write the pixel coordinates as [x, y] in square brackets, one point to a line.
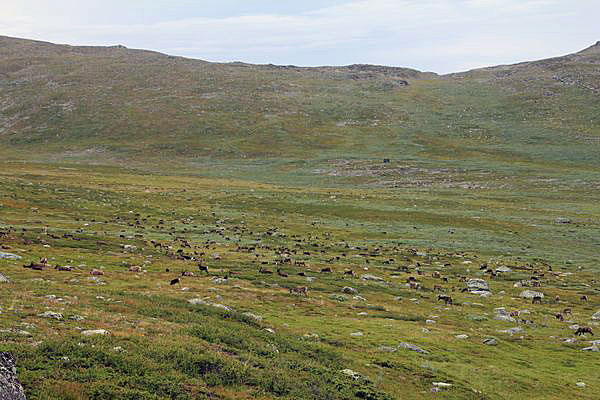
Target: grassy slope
[482, 163]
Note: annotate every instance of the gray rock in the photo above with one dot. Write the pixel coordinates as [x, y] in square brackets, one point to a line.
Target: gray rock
[51, 314]
[4, 279]
[477, 284]
[596, 315]
[490, 341]
[530, 294]
[352, 374]
[412, 347]
[505, 318]
[208, 303]
[503, 269]
[9, 256]
[369, 277]
[562, 220]
[10, 388]
[463, 336]
[387, 349]
[512, 331]
[253, 316]
[591, 348]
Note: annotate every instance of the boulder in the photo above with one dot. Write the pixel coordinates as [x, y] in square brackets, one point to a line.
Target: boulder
[596, 315]
[530, 294]
[369, 277]
[477, 284]
[95, 332]
[4, 279]
[9, 256]
[503, 269]
[412, 347]
[562, 220]
[490, 341]
[10, 388]
[51, 314]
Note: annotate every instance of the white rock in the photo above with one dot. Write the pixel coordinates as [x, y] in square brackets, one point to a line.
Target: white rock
[530, 294]
[51, 314]
[463, 336]
[95, 332]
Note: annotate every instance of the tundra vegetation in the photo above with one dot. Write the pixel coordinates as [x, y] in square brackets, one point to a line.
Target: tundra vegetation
[176, 229]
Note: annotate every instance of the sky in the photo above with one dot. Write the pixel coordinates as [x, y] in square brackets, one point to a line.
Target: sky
[430, 35]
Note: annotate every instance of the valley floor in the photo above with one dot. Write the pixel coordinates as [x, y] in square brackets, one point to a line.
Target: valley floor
[236, 332]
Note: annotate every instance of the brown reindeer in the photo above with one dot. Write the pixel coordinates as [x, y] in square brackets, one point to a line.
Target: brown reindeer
[135, 268]
[326, 269]
[303, 290]
[281, 273]
[96, 272]
[583, 330]
[265, 271]
[567, 311]
[584, 298]
[447, 299]
[63, 268]
[175, 281]
[559, 317]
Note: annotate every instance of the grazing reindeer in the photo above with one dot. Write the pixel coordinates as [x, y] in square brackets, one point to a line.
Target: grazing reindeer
[438, 288]
[281, 273]
[326, 269]
[63, 268]
[265, 271]
[96, 272]
[349, 272]
[583, 298]
[187, 273]
[536, 299]
[515, 313]
[447, 299]
[203, 268]
[302, 273]
[557, 299]
[135, 268]
[303, 290]
[583, 330]
[175, 281]
[567, 311]
[559, 317]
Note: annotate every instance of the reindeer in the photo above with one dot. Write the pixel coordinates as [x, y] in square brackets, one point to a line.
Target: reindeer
[447, 299]
[583, 330]
[96, 272]
[567, 311]
[583, 298]
[175, 281]
[281, 273]
[559, 317]
[303, 290]
[536, 299]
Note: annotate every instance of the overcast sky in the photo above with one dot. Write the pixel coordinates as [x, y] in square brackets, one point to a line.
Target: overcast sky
[433, 35]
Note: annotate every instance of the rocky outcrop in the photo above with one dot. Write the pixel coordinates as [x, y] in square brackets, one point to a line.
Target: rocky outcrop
[10, 388]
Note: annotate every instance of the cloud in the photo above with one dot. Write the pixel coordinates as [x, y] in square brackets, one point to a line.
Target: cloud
[440, 35]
